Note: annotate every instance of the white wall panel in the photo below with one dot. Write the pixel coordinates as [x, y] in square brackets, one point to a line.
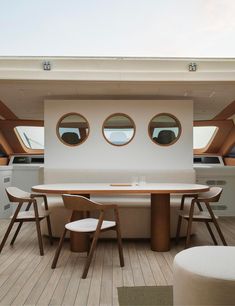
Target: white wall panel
[140, 153]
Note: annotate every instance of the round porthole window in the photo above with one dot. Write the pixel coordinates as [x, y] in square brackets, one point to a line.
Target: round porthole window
[119, 129]
[164, 129]
[72, 129]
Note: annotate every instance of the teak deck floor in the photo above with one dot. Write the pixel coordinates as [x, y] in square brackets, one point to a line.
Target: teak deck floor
[27, 279]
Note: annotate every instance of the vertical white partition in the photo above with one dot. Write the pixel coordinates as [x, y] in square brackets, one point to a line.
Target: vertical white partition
[141, 153]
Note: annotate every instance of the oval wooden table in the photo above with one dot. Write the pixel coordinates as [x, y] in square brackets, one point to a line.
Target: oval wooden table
[160, 202]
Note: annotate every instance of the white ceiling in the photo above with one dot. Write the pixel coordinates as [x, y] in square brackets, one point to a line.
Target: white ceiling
[25, 98]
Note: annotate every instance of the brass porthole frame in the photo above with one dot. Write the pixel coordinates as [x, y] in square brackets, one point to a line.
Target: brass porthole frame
[176, 139]
[58, 134]
[119, 114]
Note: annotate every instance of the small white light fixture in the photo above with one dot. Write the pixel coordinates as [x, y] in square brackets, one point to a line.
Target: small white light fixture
[192, 67]
[46, 65]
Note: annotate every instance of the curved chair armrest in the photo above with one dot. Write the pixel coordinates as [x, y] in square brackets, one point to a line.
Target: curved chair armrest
[190, 195]
[108, 206]
[184, 196]
[25, 200]
[38, 195]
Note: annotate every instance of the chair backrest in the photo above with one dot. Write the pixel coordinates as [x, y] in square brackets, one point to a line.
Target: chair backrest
[80, 203]
[70, 137]
[166, 137]
[15, 194]
[213, 195]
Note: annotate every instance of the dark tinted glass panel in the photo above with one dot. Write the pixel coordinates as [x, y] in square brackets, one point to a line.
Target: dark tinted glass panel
[232, 152]
[206, 160]
[37, 160]
[21, 160]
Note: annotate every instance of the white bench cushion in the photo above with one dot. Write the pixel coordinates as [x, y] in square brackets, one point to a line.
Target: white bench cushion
[132, 208]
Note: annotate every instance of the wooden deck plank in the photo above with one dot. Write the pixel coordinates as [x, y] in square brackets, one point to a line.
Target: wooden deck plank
[128, 279]
[12, 279]
[155, 268]
[39, 286]
[62, 285]
[117, 275]
[73, 285]
[84, 285]
[135, 266]
[144, 264]
[95, 287]
[29, 285]
[25, 275]
[51, 285]
[106, 292]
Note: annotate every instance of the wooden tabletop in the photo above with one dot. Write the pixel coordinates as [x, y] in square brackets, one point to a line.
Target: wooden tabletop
[122, 188]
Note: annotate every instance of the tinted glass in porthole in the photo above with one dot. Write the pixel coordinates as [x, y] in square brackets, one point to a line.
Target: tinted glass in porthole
[164, 129]
[119, 129]
[72, 129]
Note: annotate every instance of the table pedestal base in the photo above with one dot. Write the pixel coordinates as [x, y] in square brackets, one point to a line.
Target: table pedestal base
[79, 242]
[160, 222]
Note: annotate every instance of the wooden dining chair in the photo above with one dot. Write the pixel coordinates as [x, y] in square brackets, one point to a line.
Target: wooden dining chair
[205, 215]
[16, 195]
[89, 225]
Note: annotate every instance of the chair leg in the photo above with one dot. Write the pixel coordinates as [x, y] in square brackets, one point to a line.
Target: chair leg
[187, 242]
[90, 255]
[119, 238]
[37, 221]
[16, 233]
[190, 221]
[120, 247]
[57, 254]
[93, 245]
[211, 233]
[10, 226]
[177, 236]
[49, 229]
[89, 245]
[216, 224]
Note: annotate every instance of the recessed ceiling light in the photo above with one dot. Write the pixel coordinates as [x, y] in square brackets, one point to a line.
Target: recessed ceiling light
[46, 65]
[192, 67]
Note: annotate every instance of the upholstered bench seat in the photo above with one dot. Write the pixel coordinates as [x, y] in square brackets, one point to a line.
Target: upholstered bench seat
[205, 276]
[136, 207]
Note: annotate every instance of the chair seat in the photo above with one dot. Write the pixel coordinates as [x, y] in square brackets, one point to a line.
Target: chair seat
[88, 225]
[31, 215]
[199, 216]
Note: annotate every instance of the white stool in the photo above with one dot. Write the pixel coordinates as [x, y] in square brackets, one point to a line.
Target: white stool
[205, 276]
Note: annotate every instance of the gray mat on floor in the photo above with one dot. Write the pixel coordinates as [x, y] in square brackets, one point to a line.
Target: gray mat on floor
[145, 296]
